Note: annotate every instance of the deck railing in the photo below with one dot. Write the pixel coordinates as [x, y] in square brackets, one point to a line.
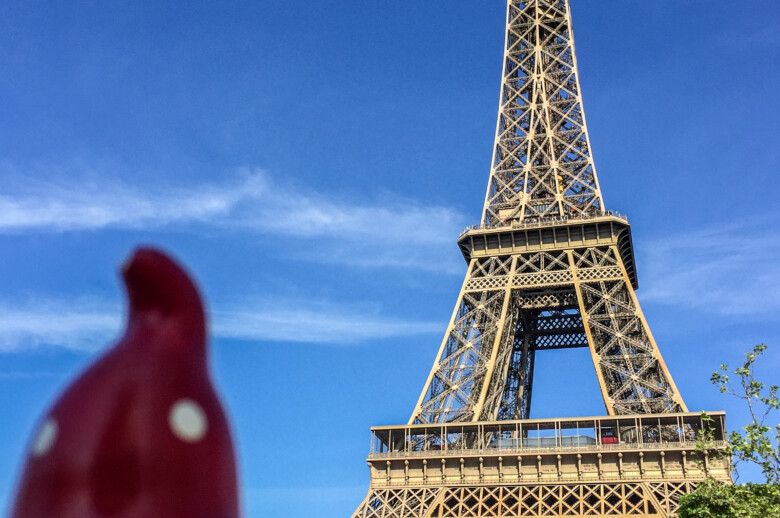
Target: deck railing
[546, 222]
[585, 433]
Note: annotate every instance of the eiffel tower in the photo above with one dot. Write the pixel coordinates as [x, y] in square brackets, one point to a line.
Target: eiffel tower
[548, 268]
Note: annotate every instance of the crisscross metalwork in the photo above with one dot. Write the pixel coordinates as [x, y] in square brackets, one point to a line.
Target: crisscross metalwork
[533, 501]
[548, 268]
[515, 305]
[542, 163]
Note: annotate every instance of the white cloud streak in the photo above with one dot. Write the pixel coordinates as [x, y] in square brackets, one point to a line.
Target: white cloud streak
[87, 325]
[399, 233]
[312, 325]
[80, 325]
[113, 207]
[730, 271]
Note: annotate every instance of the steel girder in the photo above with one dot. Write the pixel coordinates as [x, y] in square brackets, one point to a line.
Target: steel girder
[512, 306]
[542, 163]
[549, 268]
[622, 499]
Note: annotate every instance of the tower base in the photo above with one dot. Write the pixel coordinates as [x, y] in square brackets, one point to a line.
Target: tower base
[624, 498]
[635, 466]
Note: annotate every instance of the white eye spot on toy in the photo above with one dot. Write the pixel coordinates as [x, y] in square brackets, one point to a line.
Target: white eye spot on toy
[187, 420]
[47, 434]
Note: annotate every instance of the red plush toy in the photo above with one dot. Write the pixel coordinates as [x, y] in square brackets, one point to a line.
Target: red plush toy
[141, 434]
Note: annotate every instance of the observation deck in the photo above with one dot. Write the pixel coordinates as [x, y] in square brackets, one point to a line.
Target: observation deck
[607, 228]
[583, 449]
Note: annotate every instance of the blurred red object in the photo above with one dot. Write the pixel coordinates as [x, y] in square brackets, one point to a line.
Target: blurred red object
[141, 433]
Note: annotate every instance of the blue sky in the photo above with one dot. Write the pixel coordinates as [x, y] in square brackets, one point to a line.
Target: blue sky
[312, 164]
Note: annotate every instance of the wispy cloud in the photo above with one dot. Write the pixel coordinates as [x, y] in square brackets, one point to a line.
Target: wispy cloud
[730, 270]
[87, 325]
[325, 324]
[377, 232]
[95, 207]
[80, 324]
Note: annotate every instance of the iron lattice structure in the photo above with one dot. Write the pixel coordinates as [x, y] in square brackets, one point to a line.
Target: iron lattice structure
[573, 292]
[548, 268]
[556, 286]
[537, 500]
[542, 164]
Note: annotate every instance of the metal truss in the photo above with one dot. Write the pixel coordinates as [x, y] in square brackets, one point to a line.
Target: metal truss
[636, 465]
[549, 268]
[512, 306]
[638, 499]
[542, 163]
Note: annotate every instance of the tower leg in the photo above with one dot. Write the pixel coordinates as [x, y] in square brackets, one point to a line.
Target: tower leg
[633, 376]
[516, 401]
[471, 347]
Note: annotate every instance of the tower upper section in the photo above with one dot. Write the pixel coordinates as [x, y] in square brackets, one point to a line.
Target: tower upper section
[542, 163]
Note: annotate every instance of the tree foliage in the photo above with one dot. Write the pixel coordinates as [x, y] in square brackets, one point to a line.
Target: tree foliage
[758, 443]
[715, 500]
